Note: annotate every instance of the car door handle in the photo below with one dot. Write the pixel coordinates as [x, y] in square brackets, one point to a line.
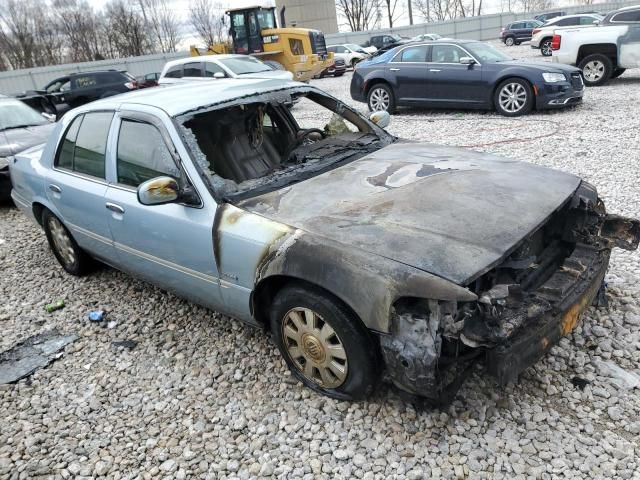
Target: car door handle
[434, 70]
[55, 188]
[114, 208]
[394, 69]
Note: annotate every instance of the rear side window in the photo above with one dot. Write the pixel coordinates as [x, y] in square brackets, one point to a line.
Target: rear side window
[210, 69]
[630, 16]
[587, 20]
[192, 69]
[414, 54]
[142, 154]
[85, 143]
[174, 72]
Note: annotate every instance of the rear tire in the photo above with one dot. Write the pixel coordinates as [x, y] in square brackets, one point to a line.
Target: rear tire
[597, 69]
[509, 41]
[380, 98]
[545, 47]
[513, 97]
[324, 346]
[70, 256]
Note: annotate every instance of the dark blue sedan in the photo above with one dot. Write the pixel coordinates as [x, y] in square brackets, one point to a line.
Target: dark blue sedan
[463, 74]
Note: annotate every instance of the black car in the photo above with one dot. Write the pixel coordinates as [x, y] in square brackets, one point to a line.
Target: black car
[626, 15]
[517, 32]
[463, 74]
[21, 127]
[385, 41]
[73, 90]
[337, 69]
[545, 17]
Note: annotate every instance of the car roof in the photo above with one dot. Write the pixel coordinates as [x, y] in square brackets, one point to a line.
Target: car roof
[630, 7]
[176, 99]
[204, 58]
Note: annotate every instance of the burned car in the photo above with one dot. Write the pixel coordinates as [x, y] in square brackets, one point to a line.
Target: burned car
[357, 250]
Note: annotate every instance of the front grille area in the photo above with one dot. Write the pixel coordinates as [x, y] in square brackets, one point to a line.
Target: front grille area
[318, 44]
[576, 81]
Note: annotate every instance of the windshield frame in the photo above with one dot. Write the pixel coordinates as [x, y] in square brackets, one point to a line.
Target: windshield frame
[36, 119]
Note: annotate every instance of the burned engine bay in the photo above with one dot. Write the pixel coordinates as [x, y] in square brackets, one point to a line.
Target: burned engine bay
[264, 143]
[529, 300]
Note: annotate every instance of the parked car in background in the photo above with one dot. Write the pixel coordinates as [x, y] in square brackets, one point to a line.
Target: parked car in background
[603, 52]
[517, 32]
[21, 127]
[543, 35]
[426, 36]
[77, 89]
[219, 66]
[463, 74]
[148, 80]
[359, 251]
[336, 69]
[350, 54]
[545, 17]
[384, 41]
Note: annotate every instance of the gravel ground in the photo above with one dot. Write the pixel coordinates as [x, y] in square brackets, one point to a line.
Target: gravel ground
[204, 397]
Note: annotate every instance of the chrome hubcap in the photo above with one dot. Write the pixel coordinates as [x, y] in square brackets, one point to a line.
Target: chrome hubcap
[546, 48]
[512, 97]
[314, 347]
[593, 71]
[509, 42]
[379, 100]
[61, 241]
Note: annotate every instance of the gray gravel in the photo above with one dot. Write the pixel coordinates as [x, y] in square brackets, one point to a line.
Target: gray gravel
[201, 396]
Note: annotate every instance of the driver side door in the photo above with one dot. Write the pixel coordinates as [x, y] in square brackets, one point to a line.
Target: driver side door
[169, 245]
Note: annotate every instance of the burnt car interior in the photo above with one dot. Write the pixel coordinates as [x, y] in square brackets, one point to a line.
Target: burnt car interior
[253, 146]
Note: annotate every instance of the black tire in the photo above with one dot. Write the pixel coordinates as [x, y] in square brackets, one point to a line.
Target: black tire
[617, 72]
[355, 341]
[375, 93]
[338, 74]
[517, 85]
[545, 47]
[275, 65]
[510, 41]
[82, 263]
[597, 69]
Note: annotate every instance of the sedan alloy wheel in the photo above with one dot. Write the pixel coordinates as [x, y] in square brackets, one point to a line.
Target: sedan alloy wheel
[513, 97]
[545, 48]
[379, 99]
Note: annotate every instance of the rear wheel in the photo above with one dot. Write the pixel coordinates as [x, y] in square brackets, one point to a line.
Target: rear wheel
[597, 69]
[509, 41]
[513, 97]
[72, 258]
[380, 98]
[617, 72]
[323, 345]
[545, 47]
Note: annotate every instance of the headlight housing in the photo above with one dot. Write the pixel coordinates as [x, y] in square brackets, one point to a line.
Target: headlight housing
[551, 77]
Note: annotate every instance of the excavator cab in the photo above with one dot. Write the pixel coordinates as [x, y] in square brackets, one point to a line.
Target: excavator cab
[246, 28]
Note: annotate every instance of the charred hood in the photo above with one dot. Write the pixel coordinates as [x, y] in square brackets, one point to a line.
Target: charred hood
[451, 212]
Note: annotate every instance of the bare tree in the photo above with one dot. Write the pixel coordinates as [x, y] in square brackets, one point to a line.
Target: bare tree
[360, 14]
[534, 5]
[207, 18]
[393, 13]
[163, 23]
[129, 33]
[81, 26]
[18, 32]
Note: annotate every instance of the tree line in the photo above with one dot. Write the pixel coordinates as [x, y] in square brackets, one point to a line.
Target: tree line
[37, 33]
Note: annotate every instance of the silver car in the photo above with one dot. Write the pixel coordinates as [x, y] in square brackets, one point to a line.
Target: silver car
[357, 250]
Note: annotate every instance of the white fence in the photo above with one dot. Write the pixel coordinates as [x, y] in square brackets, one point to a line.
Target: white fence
[485, 27]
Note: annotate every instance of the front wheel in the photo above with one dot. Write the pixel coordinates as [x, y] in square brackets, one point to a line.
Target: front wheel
[597, 69]
[381, 98]
[545, 47]
[72, 258]
[513, 97]
[323, 345]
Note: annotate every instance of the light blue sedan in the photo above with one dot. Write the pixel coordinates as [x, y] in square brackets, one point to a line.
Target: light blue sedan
[279, 205]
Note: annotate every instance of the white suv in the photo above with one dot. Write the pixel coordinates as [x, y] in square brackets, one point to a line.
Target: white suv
[349, 52]
[542, 35]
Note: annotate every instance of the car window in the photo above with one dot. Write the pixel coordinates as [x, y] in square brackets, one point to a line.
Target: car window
[514, 26]
[332, 49]
[174, 72]
[192, 69]
[414, 54]
[630, 16]
[210, 69]
[532, 25]
[85, 81]
[83, 149]
[446, 54]
[142, 154]
[587, 20]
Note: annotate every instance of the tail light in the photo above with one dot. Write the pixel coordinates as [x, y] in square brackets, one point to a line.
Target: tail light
[535, 30]
[131, 85]
[556, 41]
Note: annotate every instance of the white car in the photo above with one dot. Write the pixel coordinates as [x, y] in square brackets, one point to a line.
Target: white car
[349, 52]
[543, 35]
[207, 67]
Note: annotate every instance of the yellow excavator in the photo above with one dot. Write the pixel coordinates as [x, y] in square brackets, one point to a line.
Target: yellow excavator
[254, 31]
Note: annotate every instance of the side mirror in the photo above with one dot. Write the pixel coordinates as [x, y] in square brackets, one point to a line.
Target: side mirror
[381, 119]
[596, 22]
[467, 61]
[158, 191]
[218, 75]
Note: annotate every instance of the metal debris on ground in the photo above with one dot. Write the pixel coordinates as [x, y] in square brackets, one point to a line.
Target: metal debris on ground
[128, 344]
[580, 382]
[33, 353]
[52, 307]
[96, 315]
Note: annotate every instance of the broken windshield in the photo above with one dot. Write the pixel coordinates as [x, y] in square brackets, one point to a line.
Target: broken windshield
[260, 144]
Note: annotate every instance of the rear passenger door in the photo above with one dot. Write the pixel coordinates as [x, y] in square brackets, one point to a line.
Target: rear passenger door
[451, 82]
[408, 73]
[76, 185]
